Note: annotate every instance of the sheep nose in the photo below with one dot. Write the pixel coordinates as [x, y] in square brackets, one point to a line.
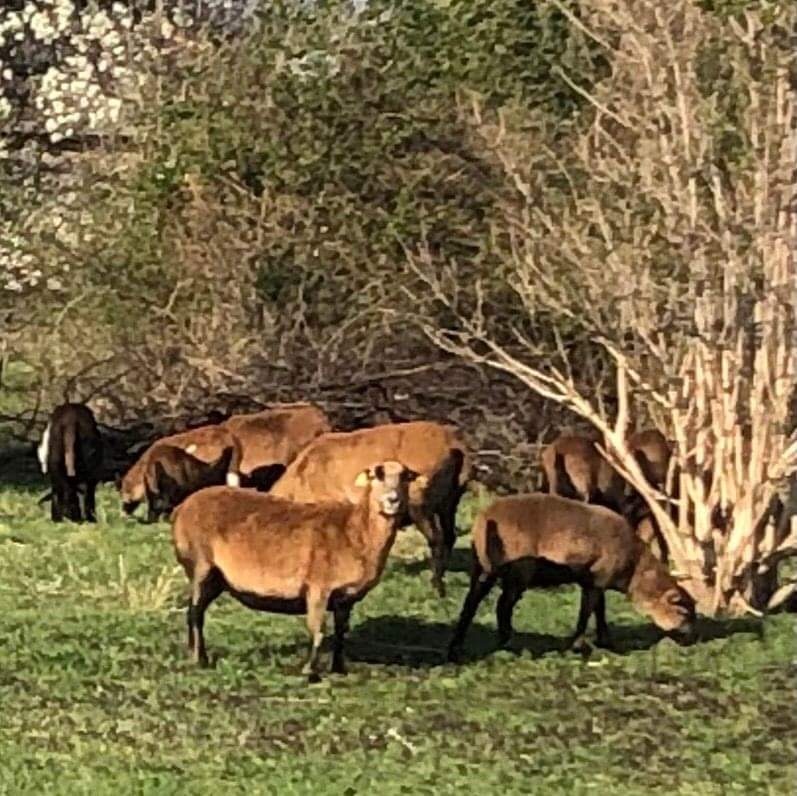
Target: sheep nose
[391, 500]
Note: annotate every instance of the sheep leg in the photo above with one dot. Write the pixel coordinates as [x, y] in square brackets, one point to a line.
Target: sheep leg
[480, 584]
[434, 537]
[152, 513]
[316, 616]
[342, 614]
[603, 638]
[72, 502]
[447, 520]
[57, 503]
[590, 597]
[511, 593]
[207, 587]
[90, 501]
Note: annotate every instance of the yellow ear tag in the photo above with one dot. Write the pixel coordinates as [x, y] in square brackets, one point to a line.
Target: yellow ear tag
[362, 478]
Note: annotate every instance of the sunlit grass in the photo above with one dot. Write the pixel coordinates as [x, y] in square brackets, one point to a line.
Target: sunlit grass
[97, 692]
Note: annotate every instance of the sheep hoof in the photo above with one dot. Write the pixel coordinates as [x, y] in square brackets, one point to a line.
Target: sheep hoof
[580, 646]
[604, 642]
[454, 654]
[439, 586]
[313, 678]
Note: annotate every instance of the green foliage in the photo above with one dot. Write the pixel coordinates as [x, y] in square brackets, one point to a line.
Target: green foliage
[284, 173]
[97, 692]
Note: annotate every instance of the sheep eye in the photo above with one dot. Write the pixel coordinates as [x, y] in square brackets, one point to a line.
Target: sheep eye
[379, 472]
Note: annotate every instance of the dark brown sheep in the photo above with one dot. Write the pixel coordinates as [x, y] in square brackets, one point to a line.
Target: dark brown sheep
[71, 451]
[172, 475]
[206, 443]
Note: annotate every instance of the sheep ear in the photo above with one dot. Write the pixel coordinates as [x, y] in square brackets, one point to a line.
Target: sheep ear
[363, 478]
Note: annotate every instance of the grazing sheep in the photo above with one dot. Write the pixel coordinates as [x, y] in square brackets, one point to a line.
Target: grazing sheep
[271, 439]
[539, 540]
[172, 475]
[71, 451]
[294, 558]
[326, 468]
[206, 443]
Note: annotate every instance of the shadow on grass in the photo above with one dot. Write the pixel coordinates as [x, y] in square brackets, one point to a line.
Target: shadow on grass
[19, 467]
[416, 643]
[459, 562]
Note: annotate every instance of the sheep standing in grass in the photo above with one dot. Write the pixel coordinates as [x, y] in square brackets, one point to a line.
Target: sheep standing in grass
[326, 467]
[295, 558]
[71, 452]
[539, 540]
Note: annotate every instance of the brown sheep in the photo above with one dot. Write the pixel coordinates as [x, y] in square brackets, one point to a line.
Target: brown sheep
[652, 451]
[271, 439]
[539, 540]
[294, 558]
[172, 475]
[326, 468]
[574, 467]
[206, 443]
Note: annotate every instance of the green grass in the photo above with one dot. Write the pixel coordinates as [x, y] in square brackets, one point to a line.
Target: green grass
[97, 695]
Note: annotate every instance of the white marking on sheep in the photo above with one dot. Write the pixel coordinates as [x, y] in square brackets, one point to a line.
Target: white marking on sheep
[44, 449]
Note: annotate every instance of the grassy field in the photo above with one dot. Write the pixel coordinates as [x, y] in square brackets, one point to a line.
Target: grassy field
[97, 694]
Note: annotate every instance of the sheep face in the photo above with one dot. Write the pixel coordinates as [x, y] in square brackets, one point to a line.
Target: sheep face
[389, 483]
[672, 610]
[131, 492]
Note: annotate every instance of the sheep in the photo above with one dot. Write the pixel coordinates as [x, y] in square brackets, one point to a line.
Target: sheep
[271, 439]
[653, 452]
[71, 451]
[297, 558]
[574, 467]
[206, 443]
[540, 540]
[172, 475]
[325, 470]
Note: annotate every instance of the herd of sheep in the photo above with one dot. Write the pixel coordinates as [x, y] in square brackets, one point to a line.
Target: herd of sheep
[289, 516]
